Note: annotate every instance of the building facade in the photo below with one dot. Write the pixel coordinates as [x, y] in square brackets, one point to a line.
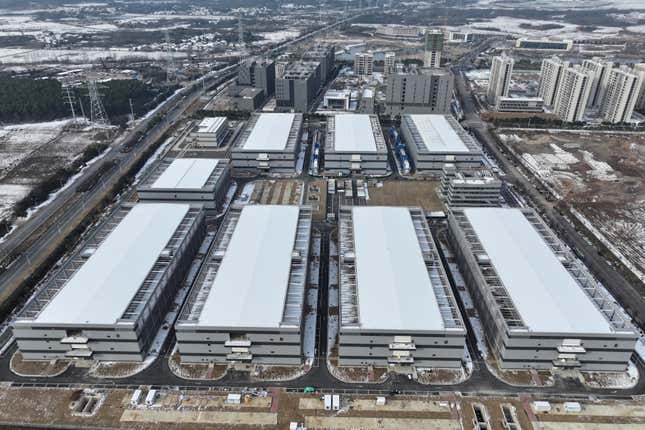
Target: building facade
[470, 187]
[211, 132]
[573, 92]
[500, 78]
[364, 64]
[396, 305]
[109, 298]
[539, 306]
[520, 104]
[189, 180]
[269, 143]
[433, 48]
[550, 77]
[623, 89]
[419, 91]
[436, 140]
[247, 303]
[544, 45]
[389, 60]
[297, 87]
[354, 144]
[258, 74]
[326, 56]
[600, 71]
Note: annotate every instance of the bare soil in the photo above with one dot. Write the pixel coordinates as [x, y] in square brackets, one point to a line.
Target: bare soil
[407, 193]
[37, 368]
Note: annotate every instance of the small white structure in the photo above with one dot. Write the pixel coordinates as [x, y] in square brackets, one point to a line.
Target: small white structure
[572, 407]
[327, 401]
[335, 402]
[380, 401]
[234, 399]
[136, 398]
[211, 132]
[151, 397]
[541, 406]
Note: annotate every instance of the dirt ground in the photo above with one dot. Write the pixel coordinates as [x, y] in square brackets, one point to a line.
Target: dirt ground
[37, 368]
[406, 193]
[274, 192]
[196, 370]
[601, 175]
[184, 410]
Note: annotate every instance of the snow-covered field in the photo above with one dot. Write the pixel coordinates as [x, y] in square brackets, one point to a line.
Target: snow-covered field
[515, 26]
[10, 194]
[30, 152]
[561, 4]
[279, 36]
[80, 56]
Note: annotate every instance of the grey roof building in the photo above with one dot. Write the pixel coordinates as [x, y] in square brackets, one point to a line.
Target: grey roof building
[189, 180]
[247, 302]
[296, 88]
[419, 91]
[539, 306]
[354, 143]
[470, 187]
[396, 305]
[109, 298]
[258, 74]
[269, 143]
[436, 140]
[326, 56]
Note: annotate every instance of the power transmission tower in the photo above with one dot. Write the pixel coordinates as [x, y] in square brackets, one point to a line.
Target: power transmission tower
[171, 69]
[70, 100]
[97, 111]
[240, 31]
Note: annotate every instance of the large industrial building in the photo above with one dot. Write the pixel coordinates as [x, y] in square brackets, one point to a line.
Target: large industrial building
[396, 305]
[270, 142]
[436, 140]
[108, 300]
[539, 306]
[354, 144]
[188, 180]
[247, 302]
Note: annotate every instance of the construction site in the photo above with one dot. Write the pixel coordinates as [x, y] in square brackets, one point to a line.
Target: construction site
[183, 409]
[597, 174]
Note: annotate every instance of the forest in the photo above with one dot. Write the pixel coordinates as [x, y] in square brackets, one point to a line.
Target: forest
[25, 99]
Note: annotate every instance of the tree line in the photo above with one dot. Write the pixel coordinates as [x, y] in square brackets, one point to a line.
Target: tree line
[26, 99]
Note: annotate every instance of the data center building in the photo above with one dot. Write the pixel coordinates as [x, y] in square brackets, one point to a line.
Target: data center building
[396, 305]
[247, 303]
[108, 300]
[539, 306]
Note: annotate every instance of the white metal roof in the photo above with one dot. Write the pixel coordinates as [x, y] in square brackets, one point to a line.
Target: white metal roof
[186, 173]
[270, 132]
[100, 291]
[353, 133]
[394, 288]
[251, 284]
[211, 125]
[545, 294]
[437, 134]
